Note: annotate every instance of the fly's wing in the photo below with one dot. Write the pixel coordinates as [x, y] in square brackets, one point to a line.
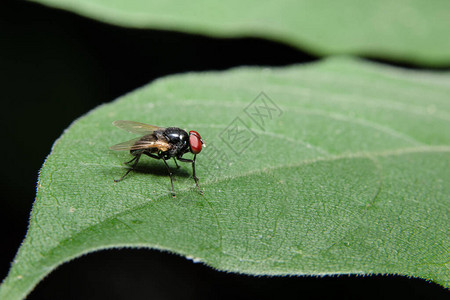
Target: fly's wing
[136, 127]
[145, 142]
[125, 145]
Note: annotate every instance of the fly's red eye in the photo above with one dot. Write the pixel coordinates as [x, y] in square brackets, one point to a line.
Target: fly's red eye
[195, 141]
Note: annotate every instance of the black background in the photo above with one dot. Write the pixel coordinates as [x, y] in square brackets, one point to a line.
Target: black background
[56, 66]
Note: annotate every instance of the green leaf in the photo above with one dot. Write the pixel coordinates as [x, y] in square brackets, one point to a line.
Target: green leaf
[348, 175]
[414, 31]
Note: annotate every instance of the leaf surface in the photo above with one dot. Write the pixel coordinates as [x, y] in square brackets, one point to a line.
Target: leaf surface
[414, 31]
[340, 166]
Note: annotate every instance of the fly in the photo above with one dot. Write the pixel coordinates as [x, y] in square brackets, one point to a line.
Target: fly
[160, 143]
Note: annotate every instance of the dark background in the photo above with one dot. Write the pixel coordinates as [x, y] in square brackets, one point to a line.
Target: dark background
[56, 66]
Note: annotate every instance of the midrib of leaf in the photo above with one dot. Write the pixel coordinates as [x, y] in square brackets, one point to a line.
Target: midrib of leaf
[369, 155]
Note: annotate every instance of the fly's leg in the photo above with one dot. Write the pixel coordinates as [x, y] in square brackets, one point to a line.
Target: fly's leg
[127, 162]
[170, 175]
[192, 161]
[137, 157]
[176, 163]
[161, 156]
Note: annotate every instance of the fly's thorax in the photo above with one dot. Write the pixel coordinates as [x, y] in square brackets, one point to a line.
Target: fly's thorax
[178, 139]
